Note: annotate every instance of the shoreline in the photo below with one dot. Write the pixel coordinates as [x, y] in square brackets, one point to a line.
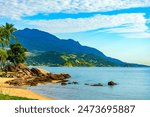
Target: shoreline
[19, 91]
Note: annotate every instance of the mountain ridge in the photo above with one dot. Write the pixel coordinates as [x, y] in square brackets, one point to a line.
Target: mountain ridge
[35, 40]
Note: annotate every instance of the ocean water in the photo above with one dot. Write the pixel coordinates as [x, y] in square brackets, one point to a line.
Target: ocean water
[133, 84]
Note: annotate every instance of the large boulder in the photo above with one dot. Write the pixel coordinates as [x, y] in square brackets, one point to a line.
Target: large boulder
[58, 76]
[39, 72]
[21, 70]
[66, 75]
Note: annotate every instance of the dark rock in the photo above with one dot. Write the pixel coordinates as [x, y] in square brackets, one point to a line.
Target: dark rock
[99, 84]
[63, 83]
[66, 75]
[111, 83]
[74, 82]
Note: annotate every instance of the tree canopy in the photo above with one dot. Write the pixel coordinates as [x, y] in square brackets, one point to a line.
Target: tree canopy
[16, 54]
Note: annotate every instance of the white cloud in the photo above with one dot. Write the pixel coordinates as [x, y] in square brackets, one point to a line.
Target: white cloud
[15, 9]
[134, 22]
[140, 35]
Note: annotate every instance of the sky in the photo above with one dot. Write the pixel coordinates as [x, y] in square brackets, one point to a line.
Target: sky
[118, 28]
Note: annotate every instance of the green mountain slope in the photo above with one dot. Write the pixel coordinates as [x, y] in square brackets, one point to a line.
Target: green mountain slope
[68, 59]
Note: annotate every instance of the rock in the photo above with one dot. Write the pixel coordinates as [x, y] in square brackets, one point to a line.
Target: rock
[99, 84]
[57, 76]
[63, 83]
[111, 83]
[74, 82]
[54, 77]
[14, 82]
[39, 72]
[22, 66]
[31, 82]
[10, 68]
[25, 76]
[66, 75]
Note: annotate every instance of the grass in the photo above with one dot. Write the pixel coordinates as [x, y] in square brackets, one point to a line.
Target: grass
[7, 97]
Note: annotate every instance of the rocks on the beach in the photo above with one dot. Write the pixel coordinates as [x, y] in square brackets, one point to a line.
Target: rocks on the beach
[31, 77]
[111, 83]
[14, 82]
[39, 72]
[99, 84]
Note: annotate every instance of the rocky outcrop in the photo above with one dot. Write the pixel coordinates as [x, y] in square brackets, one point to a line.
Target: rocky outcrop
[111, 83]
[39, 72]
[31, 77]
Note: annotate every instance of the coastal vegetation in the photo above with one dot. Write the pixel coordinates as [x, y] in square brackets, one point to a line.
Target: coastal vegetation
[53, 58]
[12, 58]
[10, 53]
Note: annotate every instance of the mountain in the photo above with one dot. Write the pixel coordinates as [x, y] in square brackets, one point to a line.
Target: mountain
[36, 40]
[39, 41]
[54, 58]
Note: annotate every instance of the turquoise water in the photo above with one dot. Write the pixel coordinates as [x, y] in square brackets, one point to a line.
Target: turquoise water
[133, 84]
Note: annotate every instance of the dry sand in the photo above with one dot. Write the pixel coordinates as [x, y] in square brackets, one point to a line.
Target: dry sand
[19, 91]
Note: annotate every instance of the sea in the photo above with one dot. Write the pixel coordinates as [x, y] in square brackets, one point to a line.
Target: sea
[133, 83]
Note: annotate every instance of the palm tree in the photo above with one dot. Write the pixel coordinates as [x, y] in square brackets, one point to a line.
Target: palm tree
[2, 39]
[3, 58]
[8, 31]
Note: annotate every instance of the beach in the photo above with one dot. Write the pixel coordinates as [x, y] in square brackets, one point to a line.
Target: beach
[19, 91]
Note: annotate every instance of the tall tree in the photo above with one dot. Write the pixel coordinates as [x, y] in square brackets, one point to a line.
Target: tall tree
[8, 32]
[3, 57]
[2, 39]
[17, 54]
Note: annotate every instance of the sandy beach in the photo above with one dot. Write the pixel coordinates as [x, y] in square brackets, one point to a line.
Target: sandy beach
[19, 91]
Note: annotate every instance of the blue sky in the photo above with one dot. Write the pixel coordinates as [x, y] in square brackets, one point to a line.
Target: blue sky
[118, 28]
